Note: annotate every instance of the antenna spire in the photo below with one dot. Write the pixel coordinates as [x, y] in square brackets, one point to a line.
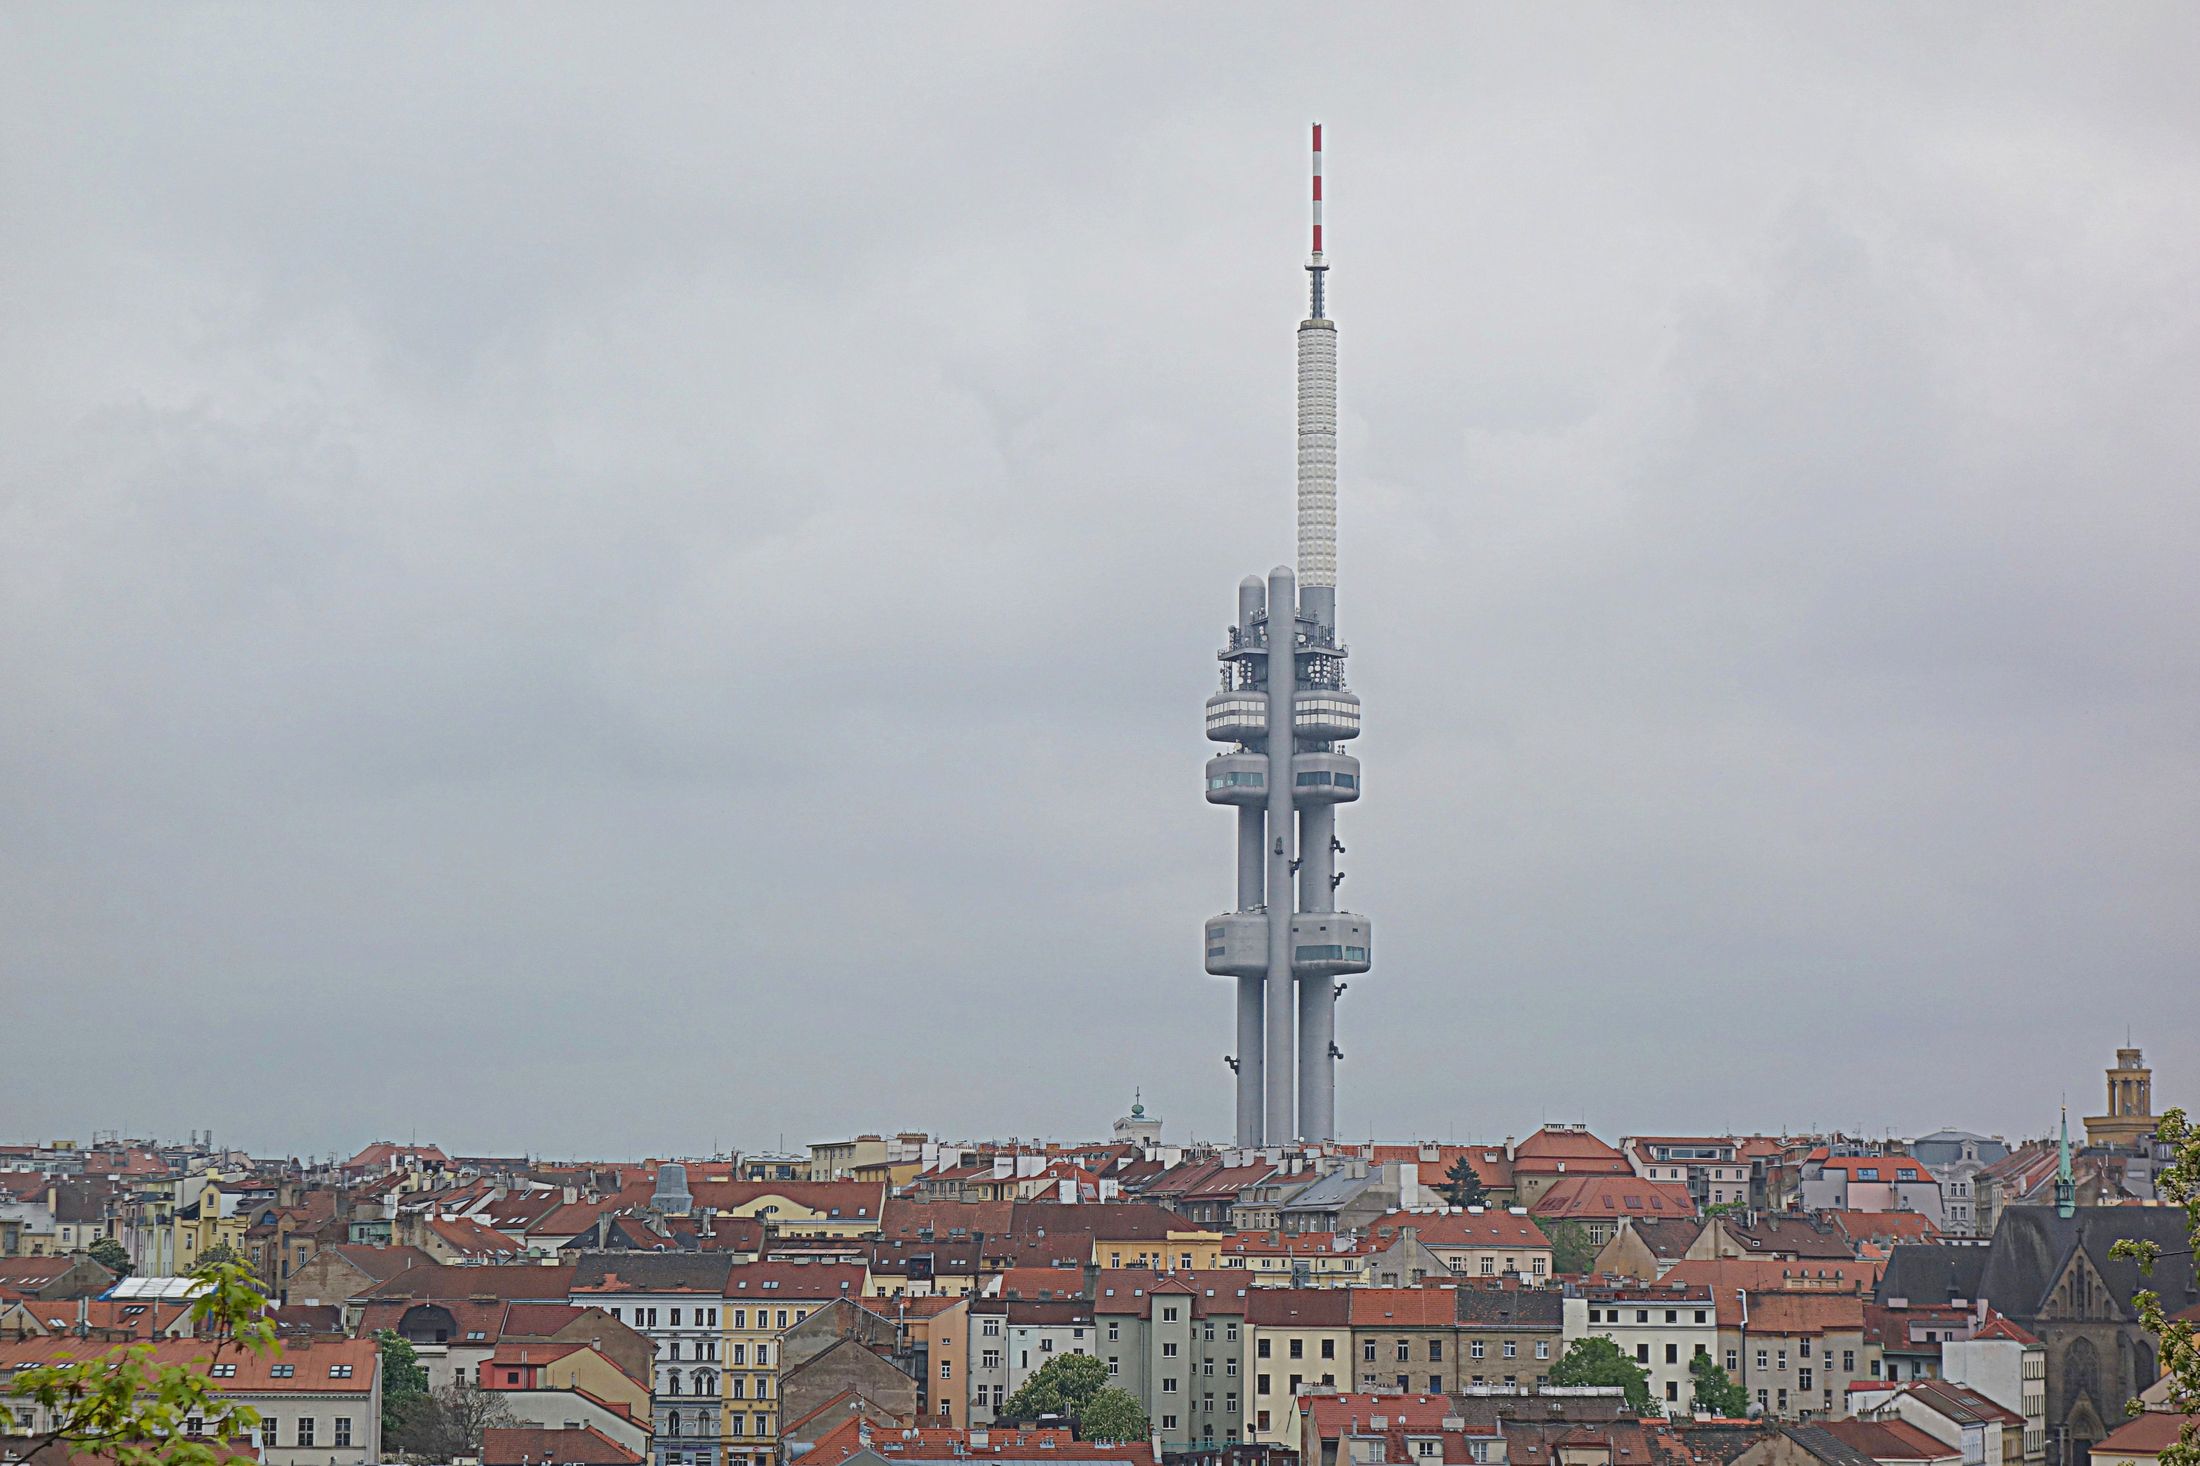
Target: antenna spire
[1316, 266]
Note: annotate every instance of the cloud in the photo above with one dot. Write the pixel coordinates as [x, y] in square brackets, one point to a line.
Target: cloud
[662, 566]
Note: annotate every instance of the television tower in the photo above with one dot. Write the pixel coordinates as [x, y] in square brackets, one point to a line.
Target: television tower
[1284, 711]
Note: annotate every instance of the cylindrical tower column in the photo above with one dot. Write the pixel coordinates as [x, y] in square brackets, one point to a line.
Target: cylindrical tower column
[1251, 881]
[1281, 1111]
[1317, 997]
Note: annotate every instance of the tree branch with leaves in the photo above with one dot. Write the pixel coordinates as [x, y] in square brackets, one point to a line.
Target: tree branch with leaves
[2178, 1184]
[127, 1406]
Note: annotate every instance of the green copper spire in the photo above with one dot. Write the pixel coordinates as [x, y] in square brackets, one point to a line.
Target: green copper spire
[2066, 1190]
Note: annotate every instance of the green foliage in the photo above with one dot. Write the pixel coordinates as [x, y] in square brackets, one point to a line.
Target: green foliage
[220, 1254]
[404, 1382]
[1571, 1249]
[1716, 1393]
[1061, 1387]
[111, 1255]
[1112, 1415]
[2179, 1184]
[1598, 1361]
[1726, 1208]
[124, 1405]
[1462, 1186]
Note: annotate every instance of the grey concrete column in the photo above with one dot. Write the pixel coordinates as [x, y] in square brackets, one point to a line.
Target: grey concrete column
[1251, 1035]
[1281, 1110]
[1317, 996]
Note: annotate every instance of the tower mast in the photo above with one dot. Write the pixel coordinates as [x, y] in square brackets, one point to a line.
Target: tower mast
[1285, 710]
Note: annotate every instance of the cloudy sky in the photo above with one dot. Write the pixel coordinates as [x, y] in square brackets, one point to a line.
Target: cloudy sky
[615, 580]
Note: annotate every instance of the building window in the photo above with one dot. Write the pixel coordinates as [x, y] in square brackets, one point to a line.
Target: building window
[1261, 1385]
[1733, 1360]
[1474, 1348]
[305, 1430]
[343, 1430]
[1512, 1348]
[1168, 1384]
[1115, 1331]
[1542, 1348]
[1367, 1351]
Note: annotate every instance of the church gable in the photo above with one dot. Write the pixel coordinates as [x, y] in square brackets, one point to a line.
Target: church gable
[2080, 1293]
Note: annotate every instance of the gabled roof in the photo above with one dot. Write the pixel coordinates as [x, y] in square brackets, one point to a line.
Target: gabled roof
[1460, 1227]
[1890, 1440]
[495, 1280]
[1961, 1404]
[609, 1273]
[805, 1281]
[1606, 1197]
[535, 1445]
[1999, 1326]
[307, 1365]
[2146, 1434]
[1380, 1308]
[469, 1238]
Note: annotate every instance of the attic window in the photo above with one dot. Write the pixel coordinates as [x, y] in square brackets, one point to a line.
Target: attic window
[476, 1334]
[339, 1371]
[283, 1371]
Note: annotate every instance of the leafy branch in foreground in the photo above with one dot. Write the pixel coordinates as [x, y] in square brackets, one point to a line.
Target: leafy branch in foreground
[127, 1406]
[2179, 1184]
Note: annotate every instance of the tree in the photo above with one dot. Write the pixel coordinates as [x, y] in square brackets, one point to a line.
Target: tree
[2179, 1353]
[220, 1252]
[1597, 1361]
[404, 1382]
[1112, 1415]
[111, 1255]
[1716, 1393]
[1462, 1185]
[446, 1424]
[1061, 1387]
[1571, 1249]
[123, 1405]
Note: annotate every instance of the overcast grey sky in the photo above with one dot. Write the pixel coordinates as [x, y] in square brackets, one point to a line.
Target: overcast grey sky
[623, 579]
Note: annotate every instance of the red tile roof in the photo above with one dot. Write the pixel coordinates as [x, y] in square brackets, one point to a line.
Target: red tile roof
[2146, 1434]
[803, 1280]
[1889, 1440]
[1404, 1307]
[302, 1366]
[1462, 1228]
[469, 1238]
[855, 1435]
[1601, 1197]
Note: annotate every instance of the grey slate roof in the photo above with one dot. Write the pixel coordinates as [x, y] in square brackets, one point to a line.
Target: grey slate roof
[1824, 1446]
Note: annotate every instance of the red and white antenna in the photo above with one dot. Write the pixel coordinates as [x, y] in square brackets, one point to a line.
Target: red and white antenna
[1316, 264]
[1317, 190]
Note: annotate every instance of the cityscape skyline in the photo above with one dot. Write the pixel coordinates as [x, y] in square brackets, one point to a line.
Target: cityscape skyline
[528, 582]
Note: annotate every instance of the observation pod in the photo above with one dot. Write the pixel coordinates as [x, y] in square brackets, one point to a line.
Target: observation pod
[1238, 778]
[1317, 778]
[1237, 716]
[1330, 944]
[1237, 944]
[1321, 715]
